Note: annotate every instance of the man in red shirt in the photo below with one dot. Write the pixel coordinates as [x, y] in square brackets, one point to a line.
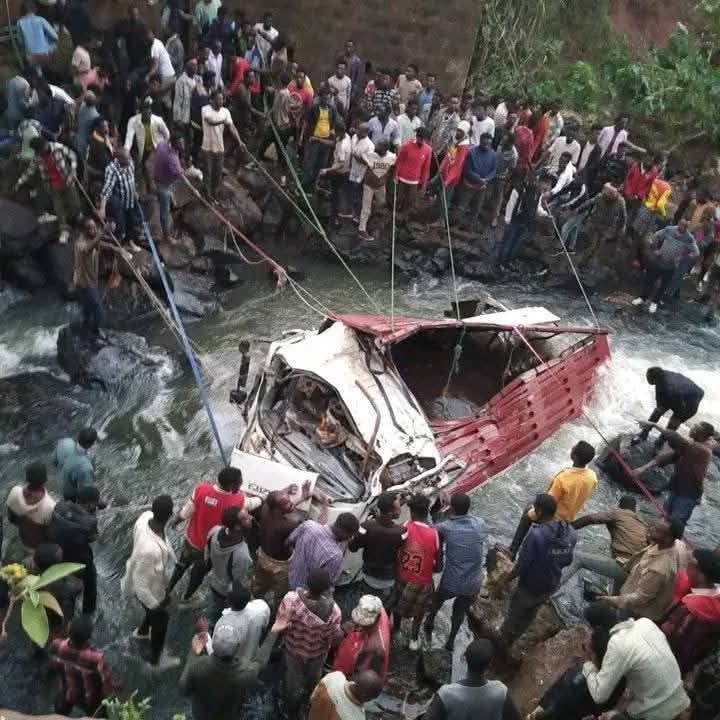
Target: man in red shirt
[203, 511]
[412, 170]
[417, 560]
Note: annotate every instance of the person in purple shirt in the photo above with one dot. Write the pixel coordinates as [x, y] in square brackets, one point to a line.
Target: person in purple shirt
[167, 169]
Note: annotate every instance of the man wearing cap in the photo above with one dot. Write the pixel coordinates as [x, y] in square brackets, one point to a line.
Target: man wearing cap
[145, 131]
[216, 684]
[366, 645]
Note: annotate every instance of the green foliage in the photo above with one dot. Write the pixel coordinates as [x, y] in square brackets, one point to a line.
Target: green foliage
[670, 92]
[26, 590]
[130, 709]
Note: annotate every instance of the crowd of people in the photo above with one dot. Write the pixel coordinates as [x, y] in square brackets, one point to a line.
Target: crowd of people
[271, 574]
[92, 109]
[106, 121]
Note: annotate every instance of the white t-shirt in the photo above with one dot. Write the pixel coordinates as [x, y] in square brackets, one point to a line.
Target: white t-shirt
[159, 52]
[343, 86]
[480, 128]
[360, 147]
[213, 135]
[343, 153]
[261, 43]
[380, 166]
[560, 146]
[249, 625]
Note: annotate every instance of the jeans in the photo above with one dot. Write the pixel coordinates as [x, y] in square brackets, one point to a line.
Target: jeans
[193, 558]
[213, 172]
[680, 507]
[340, 193]
[125, 218]
[684, 267]
[216, 606]
[301, 677]
[512, 241]
[92, 308]
[596, 563]
[471, 200]
[317, 157]
[520, 531]
[407, 195]
[164, 197]
[156, 623]
[657, 282]
[570, 231]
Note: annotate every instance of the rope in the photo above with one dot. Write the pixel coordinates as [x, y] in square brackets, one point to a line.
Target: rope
[392, 259]
[572, 264]
[279, 143]
[245, 259]
[13, 40]
[449, 237]
[154, 300]
[457, 353]
[628, 470]
[183, 335]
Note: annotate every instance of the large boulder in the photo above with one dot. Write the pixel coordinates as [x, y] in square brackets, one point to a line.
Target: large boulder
[25, 272]
[19, 234]
[36, 404]
[113, 362]
[193, 295]
[235, 203]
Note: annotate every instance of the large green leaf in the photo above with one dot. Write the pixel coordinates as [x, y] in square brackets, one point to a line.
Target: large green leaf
[29, 581]
[35, 622]
[56, 572]
[50, 602]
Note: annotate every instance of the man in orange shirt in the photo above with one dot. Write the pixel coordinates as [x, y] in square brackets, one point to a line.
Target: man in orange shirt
[570, 488]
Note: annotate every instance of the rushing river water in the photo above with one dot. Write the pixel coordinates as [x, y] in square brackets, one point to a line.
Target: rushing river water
[155, 441]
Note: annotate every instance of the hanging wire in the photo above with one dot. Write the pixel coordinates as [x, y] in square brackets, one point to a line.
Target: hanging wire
[444, 204]
[392, 259]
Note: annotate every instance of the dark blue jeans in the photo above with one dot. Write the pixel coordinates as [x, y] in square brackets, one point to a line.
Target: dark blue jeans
[512, 242]
[92, 308]
[126, 219]
[680, 507]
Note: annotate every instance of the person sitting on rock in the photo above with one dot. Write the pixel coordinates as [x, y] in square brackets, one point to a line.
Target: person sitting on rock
[673, 392]
[691, 458]
[648, 589]
[628, 536]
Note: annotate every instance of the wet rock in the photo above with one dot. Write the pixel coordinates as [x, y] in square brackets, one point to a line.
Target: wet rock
[273, 214]
[19, 231]
[236, 205]
[436, 667]
[114, 362]
[60, 261]
[33, 403]
[193, 295]
[656, 480]
[545, 663]
[128, 307]
[180, 254]
[202, 266]
[25, 273]
[254, 181]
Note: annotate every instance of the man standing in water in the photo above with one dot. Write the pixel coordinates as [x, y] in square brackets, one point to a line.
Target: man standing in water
[203, 511]
[673, 392]
[73, 463]
[147, 575]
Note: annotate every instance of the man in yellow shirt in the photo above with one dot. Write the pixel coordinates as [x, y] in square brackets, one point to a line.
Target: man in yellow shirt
[570, 488]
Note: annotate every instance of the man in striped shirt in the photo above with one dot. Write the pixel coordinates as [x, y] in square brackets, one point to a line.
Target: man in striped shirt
[120, 191]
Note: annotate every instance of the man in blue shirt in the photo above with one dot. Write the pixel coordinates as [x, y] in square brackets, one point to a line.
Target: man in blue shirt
[73, 463]
[463, 538]
[38, 35]
[479, 171]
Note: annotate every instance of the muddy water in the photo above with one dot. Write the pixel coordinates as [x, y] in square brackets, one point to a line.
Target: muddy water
[159, 441]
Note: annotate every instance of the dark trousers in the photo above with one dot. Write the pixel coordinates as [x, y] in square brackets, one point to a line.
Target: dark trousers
[126, 219]
[217, 604]
[522, 610]
[88, 575]
[471, 200]
[156, 623]
[520, 532]
[657, 282]
[460, 608]
[213, 172]
[340, 193]
[512, 242]
[317, 157]
[92, 308]
[407, 196]
[194, 559]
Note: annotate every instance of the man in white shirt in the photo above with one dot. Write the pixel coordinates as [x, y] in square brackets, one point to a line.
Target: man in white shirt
[639, 652]
[136, 135]
[612, 135]
[215, 118]
[147, 576]
[379, 163]
[565, 143]
[483, 124]
[342, 85]
[408, 122]
[185, 86]
[215, 64]
[361, 145]
[339, 172]
[265, 33]
[249, 618]
[30, 507]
